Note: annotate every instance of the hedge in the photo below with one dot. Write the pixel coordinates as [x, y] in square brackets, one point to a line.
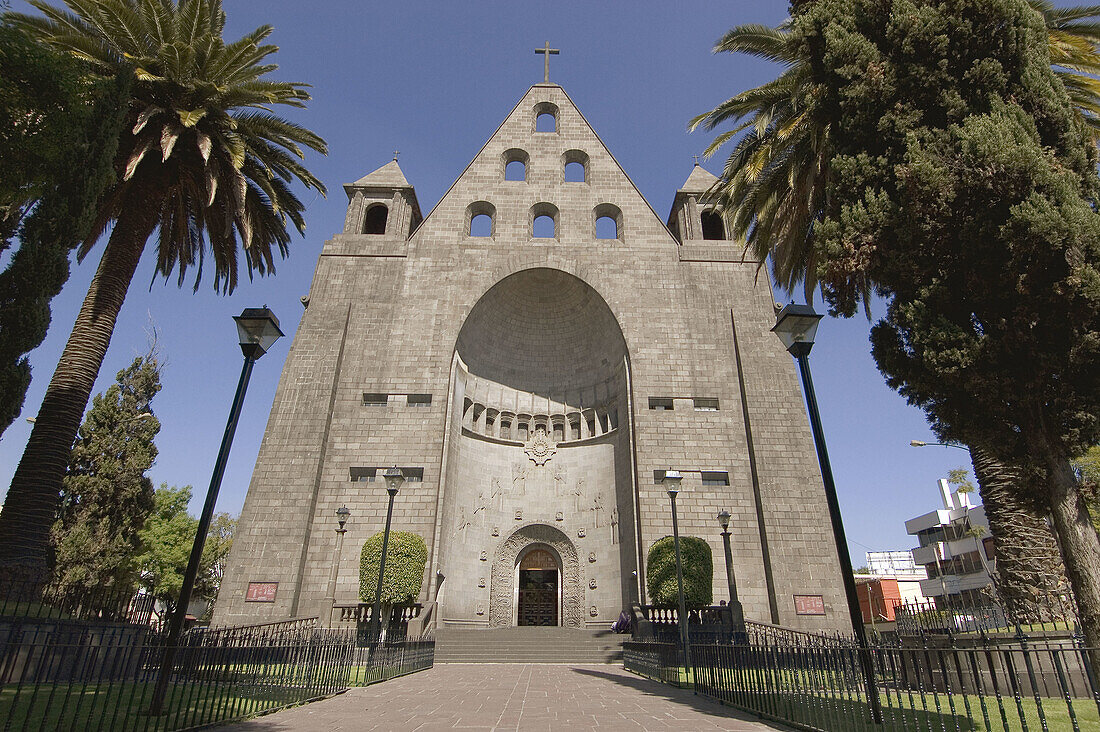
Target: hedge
[406, 556]
[698, 567]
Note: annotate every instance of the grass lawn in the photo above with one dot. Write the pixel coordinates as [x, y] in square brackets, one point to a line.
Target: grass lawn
[904, 710]
[123, 705]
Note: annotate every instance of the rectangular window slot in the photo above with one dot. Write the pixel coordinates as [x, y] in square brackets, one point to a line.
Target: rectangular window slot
[418, 400]
[715, 478]
[364, 475]
[660, 403]
[413, 475]
[706, 405]
[505, 430]
[658, 476]
[375, 400]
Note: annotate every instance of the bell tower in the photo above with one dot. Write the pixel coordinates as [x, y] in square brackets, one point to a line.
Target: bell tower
[692, 219]
[382, 204]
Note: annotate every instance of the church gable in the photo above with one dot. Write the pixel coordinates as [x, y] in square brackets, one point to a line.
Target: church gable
[545, 177]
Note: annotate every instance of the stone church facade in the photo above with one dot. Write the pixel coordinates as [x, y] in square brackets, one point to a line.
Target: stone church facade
[533, 354]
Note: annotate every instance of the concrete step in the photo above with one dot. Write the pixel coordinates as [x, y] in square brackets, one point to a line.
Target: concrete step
[526, 645]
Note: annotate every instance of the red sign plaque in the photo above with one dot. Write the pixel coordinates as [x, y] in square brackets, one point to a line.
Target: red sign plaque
[261, 592]
[809, 605]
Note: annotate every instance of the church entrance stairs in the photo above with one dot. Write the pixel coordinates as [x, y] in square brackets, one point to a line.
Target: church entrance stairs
[527, 645]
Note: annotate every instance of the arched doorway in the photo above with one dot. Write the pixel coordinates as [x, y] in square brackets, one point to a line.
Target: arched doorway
[538, 587]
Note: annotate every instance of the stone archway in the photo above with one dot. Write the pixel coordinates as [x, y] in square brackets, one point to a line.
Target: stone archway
[501, 591]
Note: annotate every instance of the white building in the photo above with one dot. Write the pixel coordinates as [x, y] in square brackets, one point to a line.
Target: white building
[955, 548]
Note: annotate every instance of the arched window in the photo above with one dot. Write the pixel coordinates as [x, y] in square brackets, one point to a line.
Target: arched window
[515, 170]
[515, 164]
[480, 217]
[576, 166]
[543, 227]
[713, 226]
[374, 222]
[544, 221]
[609, 221]
[546, 117]
[606, 228]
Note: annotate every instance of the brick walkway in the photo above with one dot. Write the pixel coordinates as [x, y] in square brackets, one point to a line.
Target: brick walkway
[510, 697]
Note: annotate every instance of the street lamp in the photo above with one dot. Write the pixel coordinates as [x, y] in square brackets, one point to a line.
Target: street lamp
[394, 478]
[342, 515]
[796, 326]
[257, 330]
[736, 611]
[922, 443]
[672, 482]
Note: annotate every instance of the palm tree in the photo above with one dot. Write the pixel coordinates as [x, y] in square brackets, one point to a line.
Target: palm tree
[773, 185]
[202, 161]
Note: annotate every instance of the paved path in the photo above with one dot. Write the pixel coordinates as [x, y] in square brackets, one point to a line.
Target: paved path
[508, 696]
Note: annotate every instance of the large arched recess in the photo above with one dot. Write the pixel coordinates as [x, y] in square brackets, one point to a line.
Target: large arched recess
[538, 431]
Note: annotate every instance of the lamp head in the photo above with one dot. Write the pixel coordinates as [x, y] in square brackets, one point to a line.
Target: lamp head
[342, 515]
[257, 331]
[394, 478]
[724, 519]
[672, 481]
[917, 443]
[796, 326]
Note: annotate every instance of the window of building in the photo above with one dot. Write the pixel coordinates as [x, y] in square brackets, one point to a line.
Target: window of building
[713, 226]
[515, 170]
[521, 432]
[658, 476]
[413, 475]
[715, 478]
[609, 221]
[480, 216]
[374, 222]
[418, 400]
[559, 433]
[544, 221]
[575, 430]
[505, 430]
[364, 475]
[375, 400]
[706, 405]
[606, 228]
[575, 164]
[546, 117]
[661, 403]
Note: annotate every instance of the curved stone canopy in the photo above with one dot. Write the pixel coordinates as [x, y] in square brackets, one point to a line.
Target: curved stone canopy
[542, 330]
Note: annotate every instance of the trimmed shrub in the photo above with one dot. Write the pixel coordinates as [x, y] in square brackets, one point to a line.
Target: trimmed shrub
[406, 556]
[698, 567]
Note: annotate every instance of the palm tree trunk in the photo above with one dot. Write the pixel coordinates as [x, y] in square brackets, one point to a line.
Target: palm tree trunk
[1029, 569]
[1078, 541]
[31, 504]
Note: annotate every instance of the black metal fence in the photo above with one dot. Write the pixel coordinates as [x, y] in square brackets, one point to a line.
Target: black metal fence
[82, 665]
[982, 685]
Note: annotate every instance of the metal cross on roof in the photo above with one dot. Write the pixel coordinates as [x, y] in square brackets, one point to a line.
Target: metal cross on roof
[694, 156]
[395, 154]
[547, 53]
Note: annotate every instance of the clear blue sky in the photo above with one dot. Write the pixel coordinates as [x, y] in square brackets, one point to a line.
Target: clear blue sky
[433, 80]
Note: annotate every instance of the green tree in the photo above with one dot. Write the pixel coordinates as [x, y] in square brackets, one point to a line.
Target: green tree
[106, 495]
[964, 187]
[406, 557]
[215, 552]
[58, 138]
[772, 188]
[167, 538]
[202, 161]
[698, 569]
[1087, 468]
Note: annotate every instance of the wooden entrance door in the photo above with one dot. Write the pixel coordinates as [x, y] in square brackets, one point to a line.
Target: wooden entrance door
[538, 589]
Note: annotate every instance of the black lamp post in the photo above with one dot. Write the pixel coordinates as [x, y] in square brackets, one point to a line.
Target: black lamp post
[672, 482]
[257, 330]
[394, 479]
[796, 326]
[736, 611]
[342, 515]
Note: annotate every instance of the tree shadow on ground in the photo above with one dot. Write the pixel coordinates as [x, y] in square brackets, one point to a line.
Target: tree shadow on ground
[703, 704]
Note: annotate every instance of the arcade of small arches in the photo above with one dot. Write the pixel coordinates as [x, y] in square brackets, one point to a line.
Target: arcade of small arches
[543, 218]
